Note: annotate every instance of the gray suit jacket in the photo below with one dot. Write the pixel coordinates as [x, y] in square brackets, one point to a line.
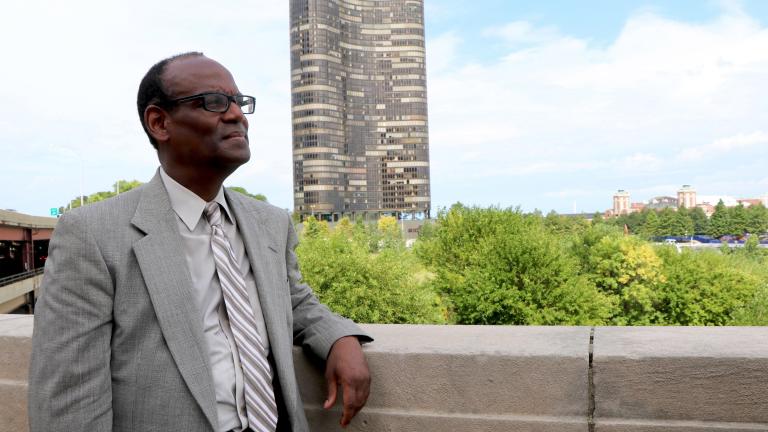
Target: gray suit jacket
[118, 341]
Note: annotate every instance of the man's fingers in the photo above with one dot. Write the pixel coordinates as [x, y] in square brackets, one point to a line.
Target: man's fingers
[346, 365]
[332, 388]
[351, 407]
[354, 397]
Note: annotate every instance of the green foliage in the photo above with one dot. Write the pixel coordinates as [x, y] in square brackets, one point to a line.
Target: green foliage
[720, 221]
[120, 185]
[314, 228]
[390, 235]
[700, 220]
[502, 267]
[581, 246]
[633, 221]
[242, 190]
[755, 311]
[627, 270]
[706, 287]
[564, 225]
[385, 285]
[757, 219]
[739, 220]
[652, 225]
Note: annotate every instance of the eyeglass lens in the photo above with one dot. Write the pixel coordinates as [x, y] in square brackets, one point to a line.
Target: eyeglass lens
[220, 102]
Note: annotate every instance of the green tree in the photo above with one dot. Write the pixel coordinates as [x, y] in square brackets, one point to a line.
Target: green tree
[391, 235]
[683, 223]
[754, 312]
[757, 219]
[739, 220]
[633, 221]
[720, 222]
[498, 266]
[121, 186]
[705, 287]
[629, 271]
[314, 228]
[652, 225]
[564, 225]
[242, 190]
[382, 287]
[125, 186]
[700, 220]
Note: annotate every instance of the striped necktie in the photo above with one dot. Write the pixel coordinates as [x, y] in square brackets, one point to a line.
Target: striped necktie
[259, 395]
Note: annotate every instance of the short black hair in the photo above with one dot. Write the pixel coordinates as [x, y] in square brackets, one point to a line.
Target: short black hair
[152, 90]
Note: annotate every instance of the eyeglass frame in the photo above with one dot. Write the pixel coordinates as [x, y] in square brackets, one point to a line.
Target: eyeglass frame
[230, 99]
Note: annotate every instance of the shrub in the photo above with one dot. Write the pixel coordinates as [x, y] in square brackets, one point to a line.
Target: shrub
[369, 287]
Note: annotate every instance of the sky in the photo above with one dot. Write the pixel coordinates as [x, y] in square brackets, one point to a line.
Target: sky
[548, 105]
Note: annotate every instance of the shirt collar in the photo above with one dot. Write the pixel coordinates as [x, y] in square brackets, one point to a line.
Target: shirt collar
[187, 205]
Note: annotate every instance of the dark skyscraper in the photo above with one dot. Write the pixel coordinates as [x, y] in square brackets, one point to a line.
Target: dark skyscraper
[358, 80]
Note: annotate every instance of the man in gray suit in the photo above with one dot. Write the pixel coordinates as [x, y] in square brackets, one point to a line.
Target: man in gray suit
[138, 328]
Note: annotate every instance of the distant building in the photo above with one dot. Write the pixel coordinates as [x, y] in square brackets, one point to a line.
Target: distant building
[747, 202]
[620, 203]
[686, 197]
[708, 208]
[729, 201]
[662, 202]
[359, 104]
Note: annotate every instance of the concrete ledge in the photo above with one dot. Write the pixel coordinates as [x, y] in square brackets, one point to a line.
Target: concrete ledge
[12, 296]
[681, 378]
[486, 378]
[519, 379]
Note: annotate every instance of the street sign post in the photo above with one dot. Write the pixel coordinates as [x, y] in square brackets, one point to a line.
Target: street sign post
[54, 211]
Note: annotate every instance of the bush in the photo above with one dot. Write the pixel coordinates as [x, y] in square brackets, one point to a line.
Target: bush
[502, 267]
[368, 287]
[627, 270]
[707, 287]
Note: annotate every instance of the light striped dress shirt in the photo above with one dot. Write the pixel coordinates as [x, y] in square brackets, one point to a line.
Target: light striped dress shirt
[196, 236]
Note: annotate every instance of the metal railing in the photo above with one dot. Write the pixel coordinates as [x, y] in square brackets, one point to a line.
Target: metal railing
[20, 276]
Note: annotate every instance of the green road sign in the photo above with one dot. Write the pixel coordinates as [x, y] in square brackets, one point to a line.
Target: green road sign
[54, 212]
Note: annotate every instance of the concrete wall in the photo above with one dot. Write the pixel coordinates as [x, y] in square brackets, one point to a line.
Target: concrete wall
[520, 379]
[13, 296]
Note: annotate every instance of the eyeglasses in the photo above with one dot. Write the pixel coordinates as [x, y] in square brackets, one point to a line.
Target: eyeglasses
[219, 102]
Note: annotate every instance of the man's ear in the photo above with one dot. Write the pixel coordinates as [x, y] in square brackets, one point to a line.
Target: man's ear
[156, 120]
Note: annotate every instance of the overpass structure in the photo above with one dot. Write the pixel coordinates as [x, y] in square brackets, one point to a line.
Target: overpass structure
[23, 251]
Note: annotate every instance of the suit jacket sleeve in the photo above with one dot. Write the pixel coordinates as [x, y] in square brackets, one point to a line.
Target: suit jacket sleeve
[70, 380]
[314, 325]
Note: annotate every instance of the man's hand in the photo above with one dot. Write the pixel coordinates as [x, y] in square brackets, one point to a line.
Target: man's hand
[346, 365]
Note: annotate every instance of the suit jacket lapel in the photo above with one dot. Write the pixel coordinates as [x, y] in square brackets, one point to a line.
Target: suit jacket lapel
[262, 251]
[259, 232]
[168, 282]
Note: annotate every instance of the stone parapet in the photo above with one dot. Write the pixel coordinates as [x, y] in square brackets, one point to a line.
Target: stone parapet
[521, 379]
[489, 378]
[686, 379]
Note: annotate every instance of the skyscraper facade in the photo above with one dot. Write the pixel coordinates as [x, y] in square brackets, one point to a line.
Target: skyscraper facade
[359, 101]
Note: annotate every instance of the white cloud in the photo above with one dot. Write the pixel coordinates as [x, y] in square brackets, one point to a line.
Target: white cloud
[725, 146]
[441, 51]
[522, 33]
[665, 103]
[614, 113]
[71, 74]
